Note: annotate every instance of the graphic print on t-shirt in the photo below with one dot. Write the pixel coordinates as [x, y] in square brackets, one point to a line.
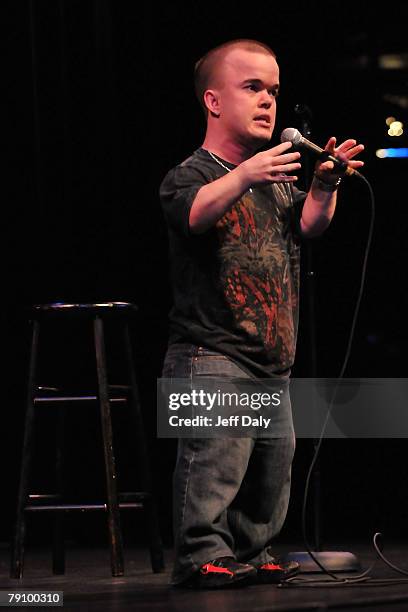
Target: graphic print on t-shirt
[255, 275]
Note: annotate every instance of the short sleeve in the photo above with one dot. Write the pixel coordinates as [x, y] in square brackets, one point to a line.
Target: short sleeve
[177, 193]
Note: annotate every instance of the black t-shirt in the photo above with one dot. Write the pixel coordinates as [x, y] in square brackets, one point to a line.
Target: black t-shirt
[236, 286]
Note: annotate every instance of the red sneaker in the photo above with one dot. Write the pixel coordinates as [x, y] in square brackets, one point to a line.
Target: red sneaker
[274, 571]
[222, 572]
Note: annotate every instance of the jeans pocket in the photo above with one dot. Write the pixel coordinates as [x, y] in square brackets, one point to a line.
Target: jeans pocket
[216, 365]
[177, 362]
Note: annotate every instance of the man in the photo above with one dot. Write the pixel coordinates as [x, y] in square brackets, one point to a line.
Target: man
[235, 222]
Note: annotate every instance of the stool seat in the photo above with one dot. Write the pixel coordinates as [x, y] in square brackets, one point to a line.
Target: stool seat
[95, 315]
[101, 309]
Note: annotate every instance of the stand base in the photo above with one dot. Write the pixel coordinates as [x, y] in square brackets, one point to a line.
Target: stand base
[334, 561]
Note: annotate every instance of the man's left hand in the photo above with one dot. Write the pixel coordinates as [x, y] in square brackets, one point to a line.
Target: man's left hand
[345, 152]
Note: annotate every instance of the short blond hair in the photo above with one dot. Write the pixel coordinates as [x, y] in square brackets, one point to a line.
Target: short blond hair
[206, 67]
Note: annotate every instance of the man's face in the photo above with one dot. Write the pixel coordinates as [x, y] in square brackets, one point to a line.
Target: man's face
[247, 86]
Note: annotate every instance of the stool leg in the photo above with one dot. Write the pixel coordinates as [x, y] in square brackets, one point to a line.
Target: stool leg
[112, 495]
[156, 547]
[17, 557]
[58, 547]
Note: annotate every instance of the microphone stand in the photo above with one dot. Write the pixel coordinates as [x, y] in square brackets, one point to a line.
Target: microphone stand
[334, 561]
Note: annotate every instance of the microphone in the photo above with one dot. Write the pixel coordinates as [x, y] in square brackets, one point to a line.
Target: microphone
[295, 137]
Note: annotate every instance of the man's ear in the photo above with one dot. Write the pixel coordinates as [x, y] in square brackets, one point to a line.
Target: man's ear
[212, 102]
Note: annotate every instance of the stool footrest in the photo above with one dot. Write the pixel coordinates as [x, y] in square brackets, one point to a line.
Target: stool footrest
[127, 500]
[74, 398]
[81, 507]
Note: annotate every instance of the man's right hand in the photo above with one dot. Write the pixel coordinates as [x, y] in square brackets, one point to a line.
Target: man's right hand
[270, 166]
[214, 199]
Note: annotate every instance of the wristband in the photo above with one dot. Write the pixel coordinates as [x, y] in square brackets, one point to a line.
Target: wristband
[323, 186]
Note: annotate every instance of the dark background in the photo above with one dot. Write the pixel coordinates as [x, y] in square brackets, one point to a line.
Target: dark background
[99, 105]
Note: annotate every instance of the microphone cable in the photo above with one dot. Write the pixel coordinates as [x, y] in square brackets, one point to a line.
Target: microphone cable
[333, 576]
[364, 577]
[339, 378]
[294, 136]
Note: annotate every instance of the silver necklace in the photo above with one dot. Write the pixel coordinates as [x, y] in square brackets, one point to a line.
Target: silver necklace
[222, 165]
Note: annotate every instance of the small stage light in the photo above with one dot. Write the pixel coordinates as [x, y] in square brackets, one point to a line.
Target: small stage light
[392, 152]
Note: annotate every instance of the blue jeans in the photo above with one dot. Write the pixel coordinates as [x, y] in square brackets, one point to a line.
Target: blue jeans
[230, 496]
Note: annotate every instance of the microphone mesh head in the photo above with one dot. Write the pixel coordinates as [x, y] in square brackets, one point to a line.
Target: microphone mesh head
[291, 135]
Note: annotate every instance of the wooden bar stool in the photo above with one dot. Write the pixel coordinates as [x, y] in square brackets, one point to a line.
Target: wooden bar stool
[96, 315]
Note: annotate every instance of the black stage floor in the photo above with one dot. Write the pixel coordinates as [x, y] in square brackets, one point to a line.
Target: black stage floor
[88, 585]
